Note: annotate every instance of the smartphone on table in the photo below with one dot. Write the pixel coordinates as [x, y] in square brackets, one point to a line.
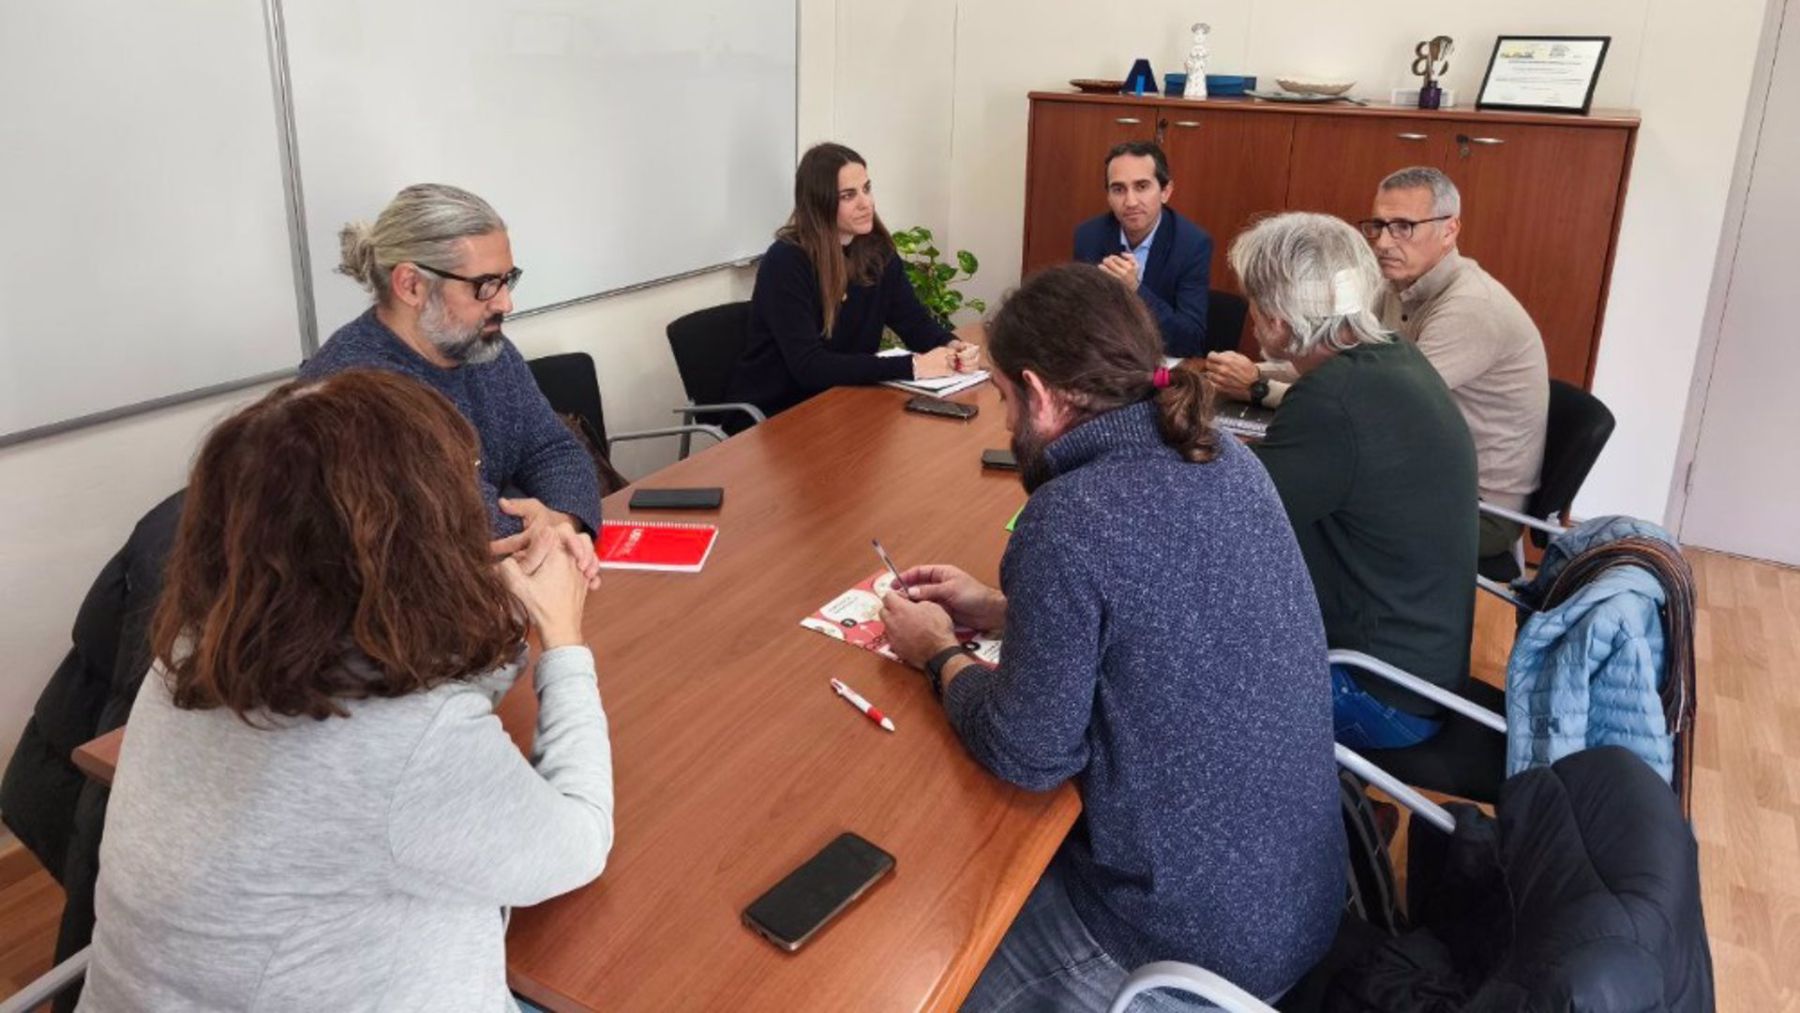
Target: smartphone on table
[795, 909]
[999, 460]
[925, 405]
[710, 498]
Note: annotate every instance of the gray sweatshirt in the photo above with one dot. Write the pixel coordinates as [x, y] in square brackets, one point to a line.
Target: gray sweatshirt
[356, 863]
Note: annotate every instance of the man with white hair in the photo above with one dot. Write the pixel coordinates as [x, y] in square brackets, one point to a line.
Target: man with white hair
[1477, 336]
[1375, 467]
[440, 266]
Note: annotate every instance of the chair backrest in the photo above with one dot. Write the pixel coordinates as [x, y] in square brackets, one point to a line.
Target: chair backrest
[1225, 312]
[1576, 431]
[572, 387]
[707, 345]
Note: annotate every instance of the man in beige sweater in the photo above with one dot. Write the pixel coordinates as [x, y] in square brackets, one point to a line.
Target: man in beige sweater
[1477, 336]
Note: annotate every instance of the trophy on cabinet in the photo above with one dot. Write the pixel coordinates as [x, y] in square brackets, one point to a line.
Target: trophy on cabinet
[1432, 62]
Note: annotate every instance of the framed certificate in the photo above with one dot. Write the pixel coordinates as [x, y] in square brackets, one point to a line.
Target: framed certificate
[1543, 73]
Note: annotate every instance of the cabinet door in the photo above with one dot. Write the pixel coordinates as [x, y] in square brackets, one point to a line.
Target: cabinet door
[1066, 170]
[1338, 161]
[1538, 207]
[1227, 168]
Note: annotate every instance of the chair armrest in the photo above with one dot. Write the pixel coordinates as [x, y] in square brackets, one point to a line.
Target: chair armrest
[755, 413]
[646, 434]
[1500, 591]
[48, 985]
[1538, 523]
[1436, 694]
[1188, 978]
[1397, 789]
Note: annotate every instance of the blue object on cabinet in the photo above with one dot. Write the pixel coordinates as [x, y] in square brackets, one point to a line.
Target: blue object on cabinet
[1141, 80]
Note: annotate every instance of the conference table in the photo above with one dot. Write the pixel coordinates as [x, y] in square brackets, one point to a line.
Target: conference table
[734, 761]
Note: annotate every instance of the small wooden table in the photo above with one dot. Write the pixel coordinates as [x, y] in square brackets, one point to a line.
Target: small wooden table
[734, 761]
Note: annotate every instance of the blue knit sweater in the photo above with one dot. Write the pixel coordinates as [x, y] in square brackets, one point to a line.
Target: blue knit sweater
[524, 446]
[1164, 649]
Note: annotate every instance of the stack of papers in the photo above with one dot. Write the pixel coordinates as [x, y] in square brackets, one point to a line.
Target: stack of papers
[941, 386]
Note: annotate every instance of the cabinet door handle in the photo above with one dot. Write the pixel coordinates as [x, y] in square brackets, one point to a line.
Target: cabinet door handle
[1187, 123]
[1130, 121]
[1413, 137]
[1487, 140]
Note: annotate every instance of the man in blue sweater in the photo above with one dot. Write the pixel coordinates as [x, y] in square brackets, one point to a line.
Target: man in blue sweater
[440, 266]
[1141, 241]
[1163, 649]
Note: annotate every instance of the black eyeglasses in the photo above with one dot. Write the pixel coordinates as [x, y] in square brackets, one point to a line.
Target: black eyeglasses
[1399, 228]
[487, 286]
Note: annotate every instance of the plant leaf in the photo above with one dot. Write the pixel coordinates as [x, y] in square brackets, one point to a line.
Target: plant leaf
[967, 261]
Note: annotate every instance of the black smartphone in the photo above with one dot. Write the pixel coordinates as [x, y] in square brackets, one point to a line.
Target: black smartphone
[1000, 460]
[938, 406]
[795, 909]
[678, 499]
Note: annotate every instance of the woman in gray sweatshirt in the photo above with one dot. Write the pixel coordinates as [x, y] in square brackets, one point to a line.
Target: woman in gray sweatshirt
[316, 807]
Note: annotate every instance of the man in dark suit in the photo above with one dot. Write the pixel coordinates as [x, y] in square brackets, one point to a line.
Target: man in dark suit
[1164, 257]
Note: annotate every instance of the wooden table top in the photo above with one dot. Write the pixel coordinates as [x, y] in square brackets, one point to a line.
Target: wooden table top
[734, 761]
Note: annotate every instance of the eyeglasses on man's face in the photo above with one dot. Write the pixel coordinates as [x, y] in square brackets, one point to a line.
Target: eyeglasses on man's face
[1399, 228]
[487, 286]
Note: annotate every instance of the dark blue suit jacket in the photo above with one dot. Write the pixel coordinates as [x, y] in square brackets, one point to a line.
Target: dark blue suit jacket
[1175, 279]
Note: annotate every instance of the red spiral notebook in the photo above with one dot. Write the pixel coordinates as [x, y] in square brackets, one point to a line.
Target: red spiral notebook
[654, 545]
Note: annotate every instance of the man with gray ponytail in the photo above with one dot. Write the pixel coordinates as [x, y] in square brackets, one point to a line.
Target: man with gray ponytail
[1162, 649]
[440, 268]
[1375, 467]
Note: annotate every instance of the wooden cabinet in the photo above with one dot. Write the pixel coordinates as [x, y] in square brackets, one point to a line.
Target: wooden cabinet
[1542, 194]
[1539, 207]
[1070, 143]
[1338, 161]
[1227, 170]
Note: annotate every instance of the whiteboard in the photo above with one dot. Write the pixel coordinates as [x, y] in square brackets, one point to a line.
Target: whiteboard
[145, 251]
[622, 141]
[176, 171]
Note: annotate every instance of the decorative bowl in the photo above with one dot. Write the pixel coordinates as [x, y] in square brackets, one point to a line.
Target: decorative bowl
[1097, 85]
[1301, 86]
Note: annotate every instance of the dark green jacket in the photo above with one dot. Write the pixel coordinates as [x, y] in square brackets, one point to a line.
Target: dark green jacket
[1377, 471]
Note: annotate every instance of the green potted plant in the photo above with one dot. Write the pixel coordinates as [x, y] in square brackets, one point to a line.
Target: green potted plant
[935, 282]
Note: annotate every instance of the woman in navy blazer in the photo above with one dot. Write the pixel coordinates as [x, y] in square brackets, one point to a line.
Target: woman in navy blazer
[1146, 245]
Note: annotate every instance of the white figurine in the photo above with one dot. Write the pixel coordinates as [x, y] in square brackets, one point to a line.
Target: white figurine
[1196, 63]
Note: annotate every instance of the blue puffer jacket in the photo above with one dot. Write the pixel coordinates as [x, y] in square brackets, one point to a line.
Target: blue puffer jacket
[1587, 672]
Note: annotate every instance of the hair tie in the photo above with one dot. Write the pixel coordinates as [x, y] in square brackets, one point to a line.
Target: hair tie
[1160, 378]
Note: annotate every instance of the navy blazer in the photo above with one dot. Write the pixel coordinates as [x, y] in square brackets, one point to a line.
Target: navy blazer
[1175, 279]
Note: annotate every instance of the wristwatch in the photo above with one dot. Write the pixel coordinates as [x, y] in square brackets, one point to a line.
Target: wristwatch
[934, 669]
[1259, 390]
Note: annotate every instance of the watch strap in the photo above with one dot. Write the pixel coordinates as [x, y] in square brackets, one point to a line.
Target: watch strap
[934, 669]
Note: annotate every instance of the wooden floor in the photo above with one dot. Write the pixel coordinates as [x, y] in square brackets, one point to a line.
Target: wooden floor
[1746, 789]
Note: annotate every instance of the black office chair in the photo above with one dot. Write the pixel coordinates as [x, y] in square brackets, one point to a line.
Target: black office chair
[1467, 757]
[707, 345]
[1225, 313]
[572, 387]
[1575, 433]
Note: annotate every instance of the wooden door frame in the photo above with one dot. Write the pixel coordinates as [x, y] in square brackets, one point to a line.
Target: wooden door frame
[1725, 263]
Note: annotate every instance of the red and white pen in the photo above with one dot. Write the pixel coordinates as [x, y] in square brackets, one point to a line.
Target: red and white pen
[856, 700]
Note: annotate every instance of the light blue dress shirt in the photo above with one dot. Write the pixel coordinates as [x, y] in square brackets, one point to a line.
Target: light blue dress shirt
[1141, 252]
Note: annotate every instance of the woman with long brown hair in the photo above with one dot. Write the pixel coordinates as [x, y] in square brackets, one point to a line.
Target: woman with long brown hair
[315, 805]
[826, 288]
